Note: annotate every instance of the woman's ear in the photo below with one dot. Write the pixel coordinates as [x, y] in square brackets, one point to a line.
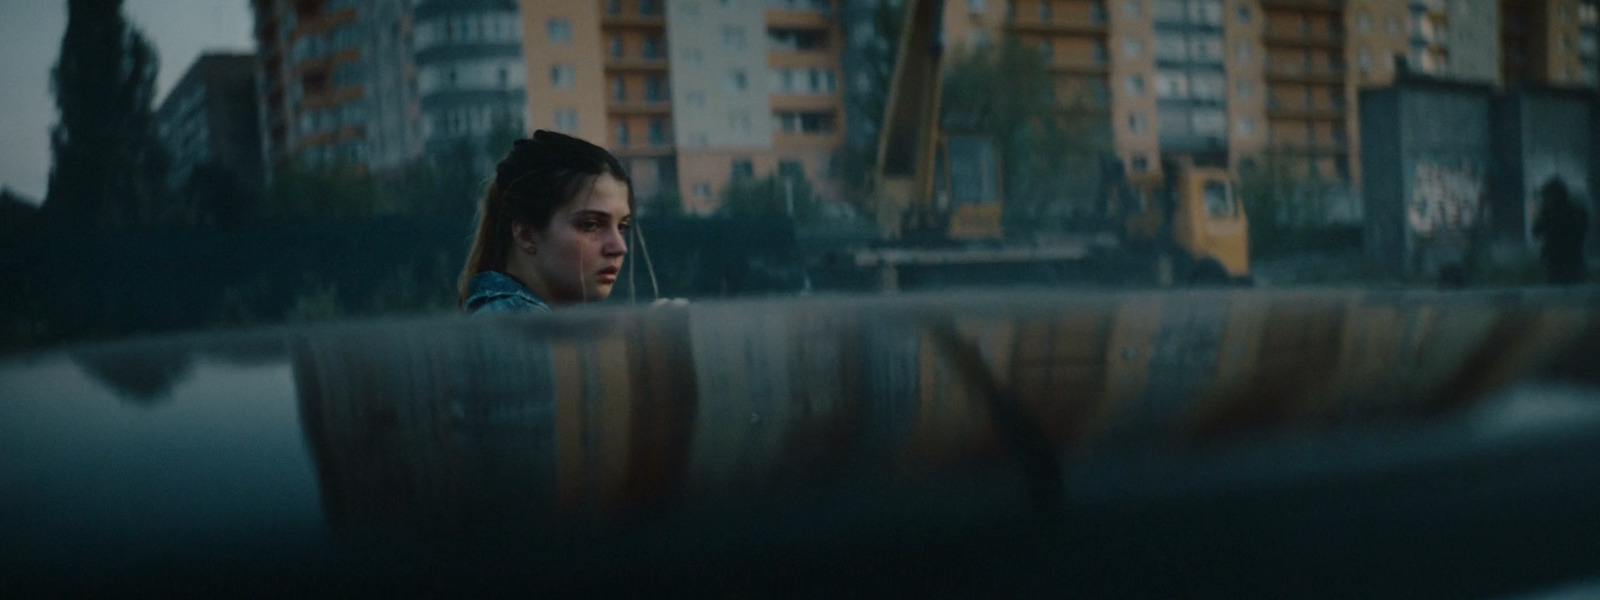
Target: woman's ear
[526, 237]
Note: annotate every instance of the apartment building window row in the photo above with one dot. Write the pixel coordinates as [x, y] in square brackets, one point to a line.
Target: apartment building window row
[331, 119]
[1193, 12]
[804, 122]
[1187, 85]
[1178, 121]
[566, 120]
[563, 77]
[820, 6]
[1175, 46]
[733, 38]
[797, 39]
[559, 31]
[804, 81]
[476, 28]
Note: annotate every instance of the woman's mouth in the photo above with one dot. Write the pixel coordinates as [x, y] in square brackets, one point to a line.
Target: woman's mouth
[607, 275]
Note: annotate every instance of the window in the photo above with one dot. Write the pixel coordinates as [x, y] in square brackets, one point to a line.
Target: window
[650, 8]
[1364, 60]
[1210, 121]
[1217, 200]
[613, 7]
[1170, 47]
[737, 80]
[1136, 123]
[619, 90]
[697, 99]
[733, 38]
[1131, 7]
[1245, 90]
[742, 168]
[622, 134]
[1393, 25]
[653, 89]
[562, 77]
[975, 6]
[616, 46]
[652, 47]
[1363, 22]
[567, 120]
[1241, 52]
[1246, 126]
[1097, 12]
[1242, 15]
[1208, 85]
[559, 31]
[1140, 163]
[1171, 85]
[739, 122]
[701, 190]
[1099, 52]
[1131, 48]
[1044, 10]
[1045, 50]
[1136, 85]
[658, 131]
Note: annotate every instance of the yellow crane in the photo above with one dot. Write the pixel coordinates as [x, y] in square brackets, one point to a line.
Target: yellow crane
[1184, 224]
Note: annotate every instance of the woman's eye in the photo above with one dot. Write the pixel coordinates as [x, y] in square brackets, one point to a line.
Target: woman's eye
[589, 225]
[625, 226]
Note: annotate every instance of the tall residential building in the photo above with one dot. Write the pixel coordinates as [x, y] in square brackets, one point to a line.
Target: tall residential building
[470, 76]
[694, 93]
[339, 83]
[1549, 42]
[210, 117]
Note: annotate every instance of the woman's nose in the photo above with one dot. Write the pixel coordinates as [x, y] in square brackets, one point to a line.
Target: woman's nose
[615, 243]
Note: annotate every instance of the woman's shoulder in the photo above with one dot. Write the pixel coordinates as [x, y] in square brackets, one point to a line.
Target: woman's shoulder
[492, 292]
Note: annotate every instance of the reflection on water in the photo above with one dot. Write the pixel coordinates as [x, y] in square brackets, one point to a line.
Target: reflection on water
[819, 416]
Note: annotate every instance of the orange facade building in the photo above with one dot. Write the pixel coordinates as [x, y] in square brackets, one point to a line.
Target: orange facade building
[692, 94]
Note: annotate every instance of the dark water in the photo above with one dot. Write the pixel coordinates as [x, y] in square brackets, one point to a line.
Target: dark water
[814, 448]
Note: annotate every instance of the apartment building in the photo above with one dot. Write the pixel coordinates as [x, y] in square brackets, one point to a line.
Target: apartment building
[338, 82]
[1551, 42]
[210, 117]
[470, 76]
[691, 94]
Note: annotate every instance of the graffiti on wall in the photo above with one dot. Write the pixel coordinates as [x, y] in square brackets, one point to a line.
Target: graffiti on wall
[1445, 197]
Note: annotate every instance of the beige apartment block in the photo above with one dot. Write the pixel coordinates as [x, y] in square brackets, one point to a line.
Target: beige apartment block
[691, 94]
[566, 70]
[1549, 41]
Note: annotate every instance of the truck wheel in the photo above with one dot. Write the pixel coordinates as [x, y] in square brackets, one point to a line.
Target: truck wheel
[1209, 273]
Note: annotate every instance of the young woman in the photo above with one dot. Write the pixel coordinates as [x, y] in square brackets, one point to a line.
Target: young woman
[551, 228]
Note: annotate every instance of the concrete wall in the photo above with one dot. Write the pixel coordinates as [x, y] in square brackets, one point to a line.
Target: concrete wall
[1425, 182]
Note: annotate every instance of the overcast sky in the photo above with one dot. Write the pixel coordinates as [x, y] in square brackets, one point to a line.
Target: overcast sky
[30, 39]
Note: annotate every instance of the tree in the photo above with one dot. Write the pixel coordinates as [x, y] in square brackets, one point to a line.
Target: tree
[108, 167]
[853, 162]
[770, 196]
[1049, 149]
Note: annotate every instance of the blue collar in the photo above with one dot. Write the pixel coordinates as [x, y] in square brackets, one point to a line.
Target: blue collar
[496, 292]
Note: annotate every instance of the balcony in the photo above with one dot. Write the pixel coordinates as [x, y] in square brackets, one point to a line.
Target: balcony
[1079, 67]
[1300, 74]
[639, 107]
[1301, 112]
[1312, 39]
[1328, 6]
[633, 20]
[1059, 27]
[635, 63]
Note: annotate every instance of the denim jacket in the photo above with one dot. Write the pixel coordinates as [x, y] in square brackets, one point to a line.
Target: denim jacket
[493, 292]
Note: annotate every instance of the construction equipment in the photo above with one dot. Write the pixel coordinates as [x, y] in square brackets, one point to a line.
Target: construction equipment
[940, 197]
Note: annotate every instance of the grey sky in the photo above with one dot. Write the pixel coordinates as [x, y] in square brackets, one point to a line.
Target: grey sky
[30, 37]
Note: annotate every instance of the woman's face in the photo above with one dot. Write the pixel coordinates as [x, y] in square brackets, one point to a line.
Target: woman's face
[577, 257]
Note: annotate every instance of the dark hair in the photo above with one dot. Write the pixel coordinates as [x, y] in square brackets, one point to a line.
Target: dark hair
[539, 176]
[1555, 190]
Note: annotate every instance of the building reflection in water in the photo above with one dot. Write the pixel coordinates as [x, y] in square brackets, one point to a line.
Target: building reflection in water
[602, 412]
